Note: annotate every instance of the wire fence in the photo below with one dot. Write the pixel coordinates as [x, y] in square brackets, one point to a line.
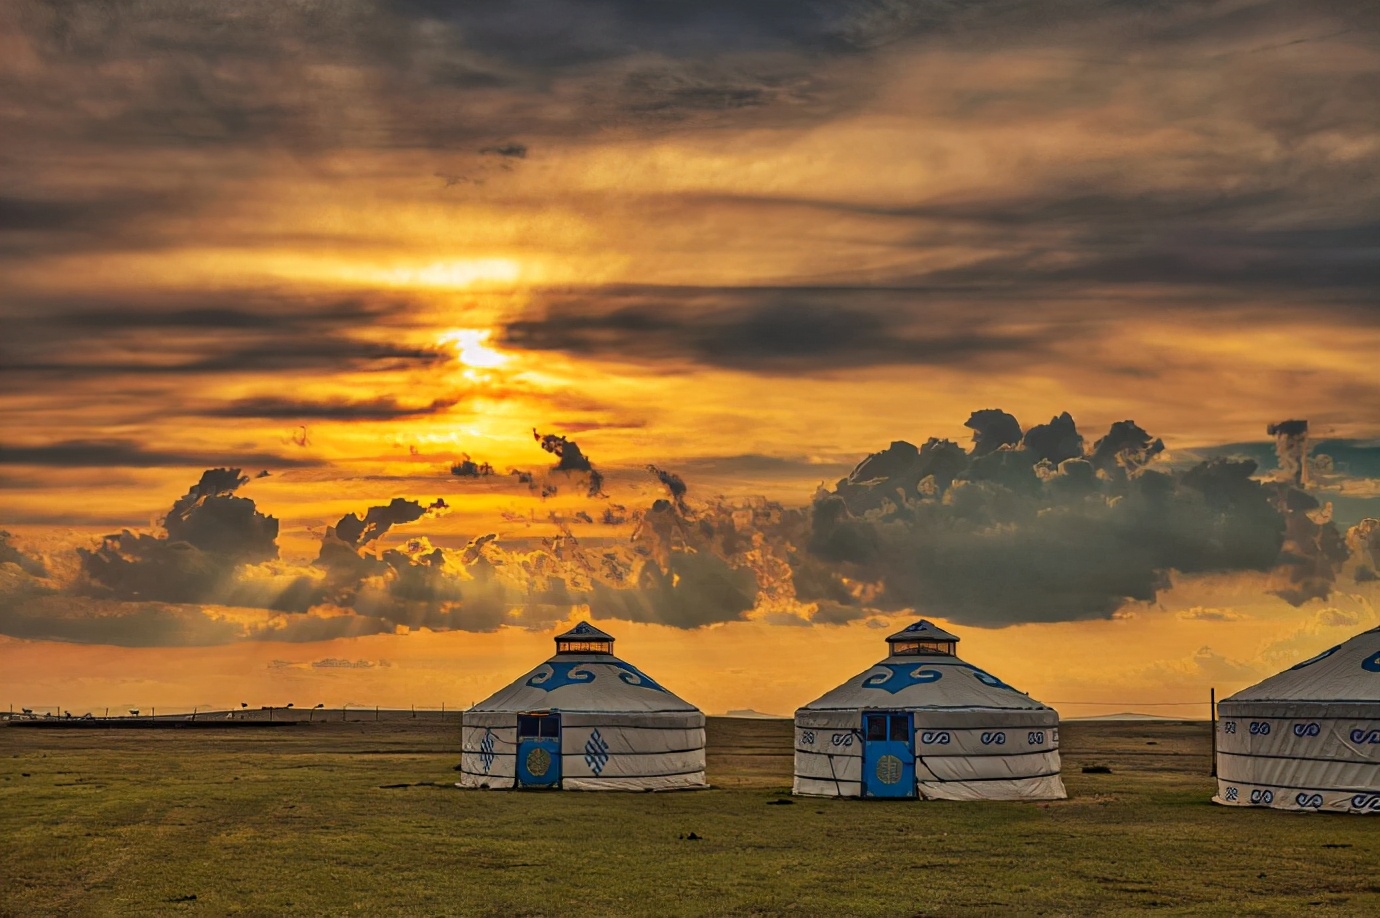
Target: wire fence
[244, 711]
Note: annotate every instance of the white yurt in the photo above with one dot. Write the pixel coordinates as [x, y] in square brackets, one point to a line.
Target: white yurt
[923, 723]
[583, 720]
[1307, 738]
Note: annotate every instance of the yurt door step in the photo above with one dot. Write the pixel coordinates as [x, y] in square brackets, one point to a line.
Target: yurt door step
[539, 750]
[888, 754]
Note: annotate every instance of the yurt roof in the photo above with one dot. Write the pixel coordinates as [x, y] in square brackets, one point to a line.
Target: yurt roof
[923, 630]
[585, 682]
[1348, 672]
[584, 631]
[929, 681]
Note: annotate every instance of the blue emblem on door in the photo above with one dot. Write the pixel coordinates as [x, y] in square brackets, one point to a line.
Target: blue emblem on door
[539, 750]
[888, 755]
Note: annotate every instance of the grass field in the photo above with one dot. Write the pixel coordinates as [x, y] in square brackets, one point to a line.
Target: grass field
[310, 820]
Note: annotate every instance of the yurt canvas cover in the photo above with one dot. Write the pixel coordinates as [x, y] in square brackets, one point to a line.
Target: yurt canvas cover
[925, 723]
[1307, 738]
[583, 720]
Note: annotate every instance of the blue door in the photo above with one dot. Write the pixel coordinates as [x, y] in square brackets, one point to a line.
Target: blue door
[888, 755]
[539, 750]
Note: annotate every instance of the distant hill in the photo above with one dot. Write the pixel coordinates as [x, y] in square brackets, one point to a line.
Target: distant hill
[748, 712]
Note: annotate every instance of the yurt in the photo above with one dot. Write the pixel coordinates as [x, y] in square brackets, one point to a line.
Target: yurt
[923, 723]
[583, 720]
[1308, 738]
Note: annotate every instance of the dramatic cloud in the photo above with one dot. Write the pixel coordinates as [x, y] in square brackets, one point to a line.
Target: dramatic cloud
[110, 453]
[356, 531]
[209, 533]
[378, 409]
[768, 330]
[1039, 533]
[571, 459]
[1039, 527]
[468, 468]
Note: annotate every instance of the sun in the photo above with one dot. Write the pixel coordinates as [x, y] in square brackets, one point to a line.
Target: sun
[472, 349]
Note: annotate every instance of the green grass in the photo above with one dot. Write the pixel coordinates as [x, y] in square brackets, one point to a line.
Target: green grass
[296, 822]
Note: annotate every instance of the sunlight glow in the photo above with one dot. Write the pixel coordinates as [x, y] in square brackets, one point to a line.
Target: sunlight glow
[465, 273]
[472, 351]
[456, 274]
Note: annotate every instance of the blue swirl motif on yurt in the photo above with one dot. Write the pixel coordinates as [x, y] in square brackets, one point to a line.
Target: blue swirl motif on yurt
[1231, 794]
[996, 738]
[486, 750]
[899, 676]
[552, 676]
[1262, 797]
[596, 752]
[1309, 801]
[1368, 801]
[1311, 729]
[987, 678]
[1320, 657]
[634, 676]
[1368, 737]
[1371, 664]
[935, 737]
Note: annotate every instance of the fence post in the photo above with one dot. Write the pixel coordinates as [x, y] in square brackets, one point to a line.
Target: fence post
[1212, 706]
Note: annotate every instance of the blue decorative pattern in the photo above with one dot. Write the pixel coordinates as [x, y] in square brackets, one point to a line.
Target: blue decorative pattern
[1262, 797]
[486, 750]
[1310, 729]
[596, 752]
[1320, 657]
[988, 679]
[552, 676]
[1231, 794]
[900, 676]
[1368, 737]
[1369, 801]
[1371, 664]
[1309, 801]
[634, 676]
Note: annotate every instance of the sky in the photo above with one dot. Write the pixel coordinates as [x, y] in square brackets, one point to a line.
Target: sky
[353, 350]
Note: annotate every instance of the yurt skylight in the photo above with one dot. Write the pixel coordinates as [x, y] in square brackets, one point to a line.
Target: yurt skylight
[584, 638]
[922, 638]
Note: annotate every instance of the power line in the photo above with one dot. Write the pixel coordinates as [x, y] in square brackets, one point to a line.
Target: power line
[1140, 704]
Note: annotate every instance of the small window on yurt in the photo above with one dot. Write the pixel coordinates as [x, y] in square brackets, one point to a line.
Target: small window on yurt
[584, 647]
[907, 648]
